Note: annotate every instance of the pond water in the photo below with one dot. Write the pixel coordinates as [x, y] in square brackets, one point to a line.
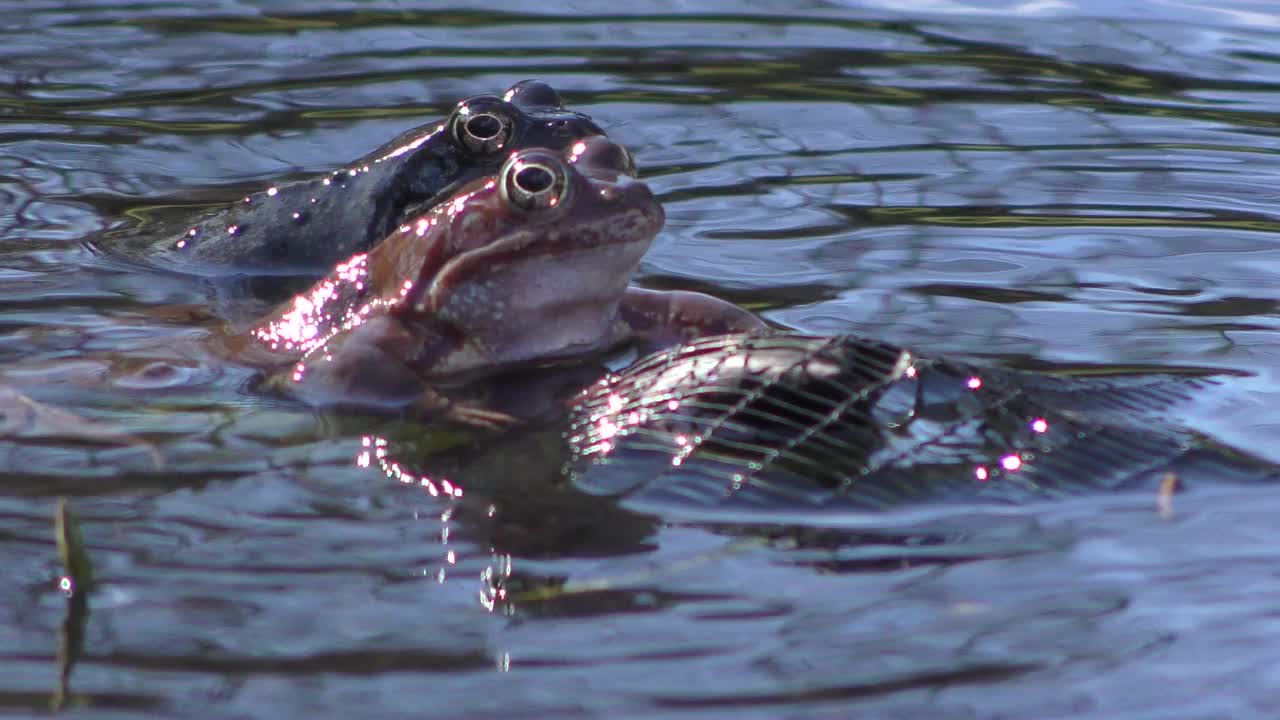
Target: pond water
[1030, 183]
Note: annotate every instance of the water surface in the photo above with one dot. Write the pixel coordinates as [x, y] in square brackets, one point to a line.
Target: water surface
[1036, 184]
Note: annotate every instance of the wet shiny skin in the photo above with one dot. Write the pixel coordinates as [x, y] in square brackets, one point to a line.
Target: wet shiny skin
[306, 226]
[476, 285]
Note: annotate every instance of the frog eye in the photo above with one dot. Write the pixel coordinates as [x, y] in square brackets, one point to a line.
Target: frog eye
[533, 94]
[482, 124]
[535, 181]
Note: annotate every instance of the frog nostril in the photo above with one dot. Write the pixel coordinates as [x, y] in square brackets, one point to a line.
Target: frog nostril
[484, 127]
[534, 179]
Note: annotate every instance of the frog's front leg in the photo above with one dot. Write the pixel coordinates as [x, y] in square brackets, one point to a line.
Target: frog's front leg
[661, 319]
[380, 365]
[434, 404]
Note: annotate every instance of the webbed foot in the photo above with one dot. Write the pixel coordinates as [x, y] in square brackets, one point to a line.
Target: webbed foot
[472, 414]
[662, 319]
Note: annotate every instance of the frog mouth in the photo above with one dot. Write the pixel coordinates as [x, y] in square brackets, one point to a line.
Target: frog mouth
[619, 239]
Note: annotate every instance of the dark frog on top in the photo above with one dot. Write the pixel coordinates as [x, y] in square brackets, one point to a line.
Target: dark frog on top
[304, 227]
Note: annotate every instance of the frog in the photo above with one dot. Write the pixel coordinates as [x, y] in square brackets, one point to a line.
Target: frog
[527, 268]
[304, 227]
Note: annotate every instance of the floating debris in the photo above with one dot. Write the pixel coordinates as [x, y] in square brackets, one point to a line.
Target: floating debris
[76, 583]
[1169, 484]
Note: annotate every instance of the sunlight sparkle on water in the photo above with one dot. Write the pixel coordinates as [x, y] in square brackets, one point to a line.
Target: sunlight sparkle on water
[1011, 462]
[607, 428]
[394, 470]
[981, 473]
[1039, 425]
[974, 383]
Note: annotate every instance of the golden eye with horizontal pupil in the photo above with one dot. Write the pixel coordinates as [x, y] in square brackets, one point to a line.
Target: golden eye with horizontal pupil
[535, 181]
[482, 124]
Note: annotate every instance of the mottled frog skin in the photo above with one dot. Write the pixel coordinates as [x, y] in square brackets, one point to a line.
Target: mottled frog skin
[305, 227]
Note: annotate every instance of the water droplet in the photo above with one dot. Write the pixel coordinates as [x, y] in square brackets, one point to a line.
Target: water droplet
[299, 218]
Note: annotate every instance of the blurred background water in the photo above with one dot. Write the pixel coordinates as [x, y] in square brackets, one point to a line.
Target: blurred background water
[1033, 183]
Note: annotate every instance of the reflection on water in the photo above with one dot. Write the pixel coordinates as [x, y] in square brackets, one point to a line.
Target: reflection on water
[741, 423]
[1079, 184]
